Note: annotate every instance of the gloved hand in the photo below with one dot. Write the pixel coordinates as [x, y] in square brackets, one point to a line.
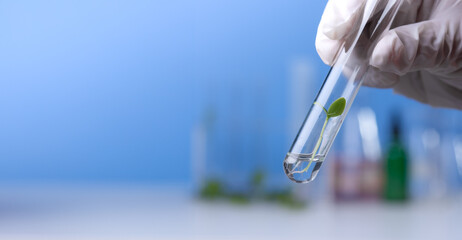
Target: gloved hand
[420, 57]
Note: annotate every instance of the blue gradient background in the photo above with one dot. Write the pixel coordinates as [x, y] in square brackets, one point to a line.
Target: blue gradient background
[109, 90]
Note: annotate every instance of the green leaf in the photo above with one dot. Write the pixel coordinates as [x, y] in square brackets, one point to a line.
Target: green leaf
[336, 108]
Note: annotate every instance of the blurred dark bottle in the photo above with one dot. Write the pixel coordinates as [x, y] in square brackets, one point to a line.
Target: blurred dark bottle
[396, 167]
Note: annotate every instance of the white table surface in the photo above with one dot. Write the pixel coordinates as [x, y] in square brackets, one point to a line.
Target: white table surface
[152, 212]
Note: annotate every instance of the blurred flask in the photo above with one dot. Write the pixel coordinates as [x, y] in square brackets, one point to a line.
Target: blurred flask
[347, 165]
[371, 168]
[357, 169]
[300, 92]
[205, 173]
[240, 157]
[221, 143]
[430, 162]
[451, 150]
[452, 163]
[396, 166]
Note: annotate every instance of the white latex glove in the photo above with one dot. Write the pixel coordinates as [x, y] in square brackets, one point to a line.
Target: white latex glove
[420, 57]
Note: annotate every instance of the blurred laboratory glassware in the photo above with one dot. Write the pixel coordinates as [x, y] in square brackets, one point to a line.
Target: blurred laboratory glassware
[371, 166]
[347, 163]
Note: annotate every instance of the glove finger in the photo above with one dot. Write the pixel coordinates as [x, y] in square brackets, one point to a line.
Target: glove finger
[339, 20]
[327, 48]
[411, 48]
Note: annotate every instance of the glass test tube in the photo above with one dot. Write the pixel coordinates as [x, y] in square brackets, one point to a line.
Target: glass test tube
[321, 125]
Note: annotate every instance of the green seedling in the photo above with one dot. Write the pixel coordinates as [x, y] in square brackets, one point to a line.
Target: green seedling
[336, 109]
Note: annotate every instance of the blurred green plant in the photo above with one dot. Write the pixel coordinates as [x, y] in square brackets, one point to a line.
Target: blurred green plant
[213, 189]
[258, 178]
[240, 199]
[285, 198]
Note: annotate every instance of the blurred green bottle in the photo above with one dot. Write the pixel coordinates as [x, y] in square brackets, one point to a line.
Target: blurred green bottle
[396, 167]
